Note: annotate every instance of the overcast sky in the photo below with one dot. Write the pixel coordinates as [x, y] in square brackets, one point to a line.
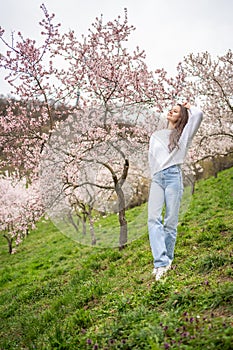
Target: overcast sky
[167, 30]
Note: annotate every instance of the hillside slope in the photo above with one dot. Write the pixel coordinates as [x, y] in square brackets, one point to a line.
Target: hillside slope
[55, 294]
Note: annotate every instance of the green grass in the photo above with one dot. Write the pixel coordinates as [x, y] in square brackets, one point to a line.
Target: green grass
[57, 294]
[107, 228]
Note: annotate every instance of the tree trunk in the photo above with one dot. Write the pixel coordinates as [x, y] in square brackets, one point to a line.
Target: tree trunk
[215, 167]
[84, 226]
[193, 186]
[91, 224]
[118, 183]
[122, 219]
[9, 241]
[92, 232]
[71, 220]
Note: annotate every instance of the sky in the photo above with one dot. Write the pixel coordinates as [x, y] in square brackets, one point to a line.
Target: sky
[167, 30]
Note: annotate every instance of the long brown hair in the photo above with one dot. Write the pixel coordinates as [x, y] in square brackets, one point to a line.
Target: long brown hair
[179, 127]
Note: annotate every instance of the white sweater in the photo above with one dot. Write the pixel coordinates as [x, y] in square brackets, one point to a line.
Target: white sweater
[159, 156]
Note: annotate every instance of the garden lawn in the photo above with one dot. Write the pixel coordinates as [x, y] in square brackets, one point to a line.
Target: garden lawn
[57, 294]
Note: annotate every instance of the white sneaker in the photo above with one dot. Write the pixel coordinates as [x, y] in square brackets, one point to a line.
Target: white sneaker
[160, 271]
[154, 272]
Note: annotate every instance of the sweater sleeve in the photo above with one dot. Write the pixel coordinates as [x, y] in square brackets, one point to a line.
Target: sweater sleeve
[195, 119]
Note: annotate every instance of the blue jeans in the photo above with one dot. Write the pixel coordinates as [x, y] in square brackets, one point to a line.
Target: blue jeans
[166, 189]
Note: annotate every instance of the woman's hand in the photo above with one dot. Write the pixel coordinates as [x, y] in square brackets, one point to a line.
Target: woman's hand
[186, 105]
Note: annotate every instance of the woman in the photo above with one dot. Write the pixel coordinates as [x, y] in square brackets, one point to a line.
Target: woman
[167, 151]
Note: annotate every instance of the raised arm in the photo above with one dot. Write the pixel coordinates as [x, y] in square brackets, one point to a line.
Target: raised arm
[195, 119]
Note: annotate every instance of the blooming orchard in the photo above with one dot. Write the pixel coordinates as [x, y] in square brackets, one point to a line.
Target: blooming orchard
[85, 109]
[109, 81]
[212, 81]
[21, 208]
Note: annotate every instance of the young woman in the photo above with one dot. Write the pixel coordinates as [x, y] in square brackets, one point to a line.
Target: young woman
[167, 151]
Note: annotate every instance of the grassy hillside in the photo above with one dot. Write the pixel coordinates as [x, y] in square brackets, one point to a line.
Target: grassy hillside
[55, 294]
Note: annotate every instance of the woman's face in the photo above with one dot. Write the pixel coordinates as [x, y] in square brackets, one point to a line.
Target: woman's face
[174, 114]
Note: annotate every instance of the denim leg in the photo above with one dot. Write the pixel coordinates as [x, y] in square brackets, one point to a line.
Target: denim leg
[155, 225]
[173, 195]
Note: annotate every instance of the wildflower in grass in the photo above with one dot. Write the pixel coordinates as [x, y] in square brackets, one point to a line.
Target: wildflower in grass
[166, 346]
[95, 347]
[185, 334]
[89, 341]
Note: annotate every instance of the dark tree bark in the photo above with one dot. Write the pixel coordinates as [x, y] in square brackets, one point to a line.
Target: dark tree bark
[122, 219]
[121, 205]
[9, 241]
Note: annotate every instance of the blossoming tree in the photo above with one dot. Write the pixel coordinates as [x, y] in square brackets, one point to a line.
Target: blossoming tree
[211, 79]
[21, 208]
[101, 75]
